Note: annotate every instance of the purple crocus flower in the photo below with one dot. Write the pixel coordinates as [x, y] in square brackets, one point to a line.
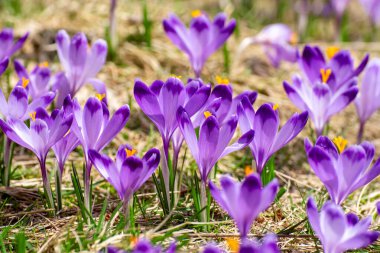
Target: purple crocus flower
[265, 122]
[372, 7]
[95, 130]
[213, 139]
[18, 106]
[7, 45]
[43, 133]
[80, 64]
[201, 39]
[39, 79]
[337, 231]
[278, 42]
[337, 72]
[129, 172]
[368, 98]
[244, 201]
[143, 246]
[341, 170]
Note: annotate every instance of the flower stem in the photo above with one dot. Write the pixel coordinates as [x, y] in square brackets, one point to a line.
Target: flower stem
[87, 186]
[46, 182]
[7, 160]
[203, 201]
[360, 132]
[166, 171]
[58, 186]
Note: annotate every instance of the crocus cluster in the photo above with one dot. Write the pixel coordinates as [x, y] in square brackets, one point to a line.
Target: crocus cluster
[338, 231]
[278, 42]
[201, 39]
[326, 87]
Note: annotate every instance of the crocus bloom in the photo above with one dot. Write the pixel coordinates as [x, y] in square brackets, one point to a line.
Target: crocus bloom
[368, 99]
[43, 133]
[18, 106]
[278, 41]
[129, 172]
[95, 130]
[337, 231]
[80, 64]
[201, 39]
[7, 45]
[143, 246]
[68, 143]
[372, 7]
[341, 170]
[39, 79]
[213, 139]
[244, 201]
[265, 122]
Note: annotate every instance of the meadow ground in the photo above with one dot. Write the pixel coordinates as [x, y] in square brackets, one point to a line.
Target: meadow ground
[23, 217]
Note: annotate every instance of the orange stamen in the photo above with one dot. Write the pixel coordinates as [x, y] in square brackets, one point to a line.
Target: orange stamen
[340, 143]
[196, 13]
[325, 74]
[100, 96]
[33, 115]
[207, 114]
[331, 51]
[25, 82]
[130, 152]
[222, 80]
[233, 244]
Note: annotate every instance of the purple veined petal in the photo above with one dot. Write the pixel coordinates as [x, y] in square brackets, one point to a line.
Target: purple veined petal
[3, 65]
[322, 166]
[17, 102]
[266, 124]
[210, 248]
[295, 96]
[221, 35]
[342, 66]
[307, 144]
[332, 224]
[172, 248]
[268, 194]
[208, 140]
[313, 216]
[96, 58]
[77, 54]
[177, 33]
[290, 130]
[6, 42]
[369, 149]
[39, 82]
[106, 168]
[246, 115]
[42, 114]
[370, 175]
[60, 127]
[250, 190]
[151, 161]
[92, 112]
[188, 132]
[63, 44]
[342, 101]
[17, 131]
[171, 95]
[197, 100]
[64, 147]
[148, 103]
[114, 126]
[321, 96]
[225, 93]
[130, 173]
[228, 195]
[39, 135]
[311, 61]
[328, 146]
[3, 103]
[361, 240]
[352, 219]
[226, 132]
[18, 44]
[62, 85]
[352, 162]
[243, 141]
[156, 87]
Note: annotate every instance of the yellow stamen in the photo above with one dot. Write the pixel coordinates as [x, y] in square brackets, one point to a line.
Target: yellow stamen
[207, 114]
[325, 74]
[43, 64]
[340, 143]
[196, 13]
[175, 76]
[293, 39]
[100, 96]
[222, 80]
[275, 107]
[233, 244]
[133, 241]
[248, 170]
[331, 51]
[33, 115]
[24, 82]
[67, 133]
[130, 152]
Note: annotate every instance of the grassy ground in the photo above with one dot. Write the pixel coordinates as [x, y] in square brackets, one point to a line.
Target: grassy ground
[23, 217]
